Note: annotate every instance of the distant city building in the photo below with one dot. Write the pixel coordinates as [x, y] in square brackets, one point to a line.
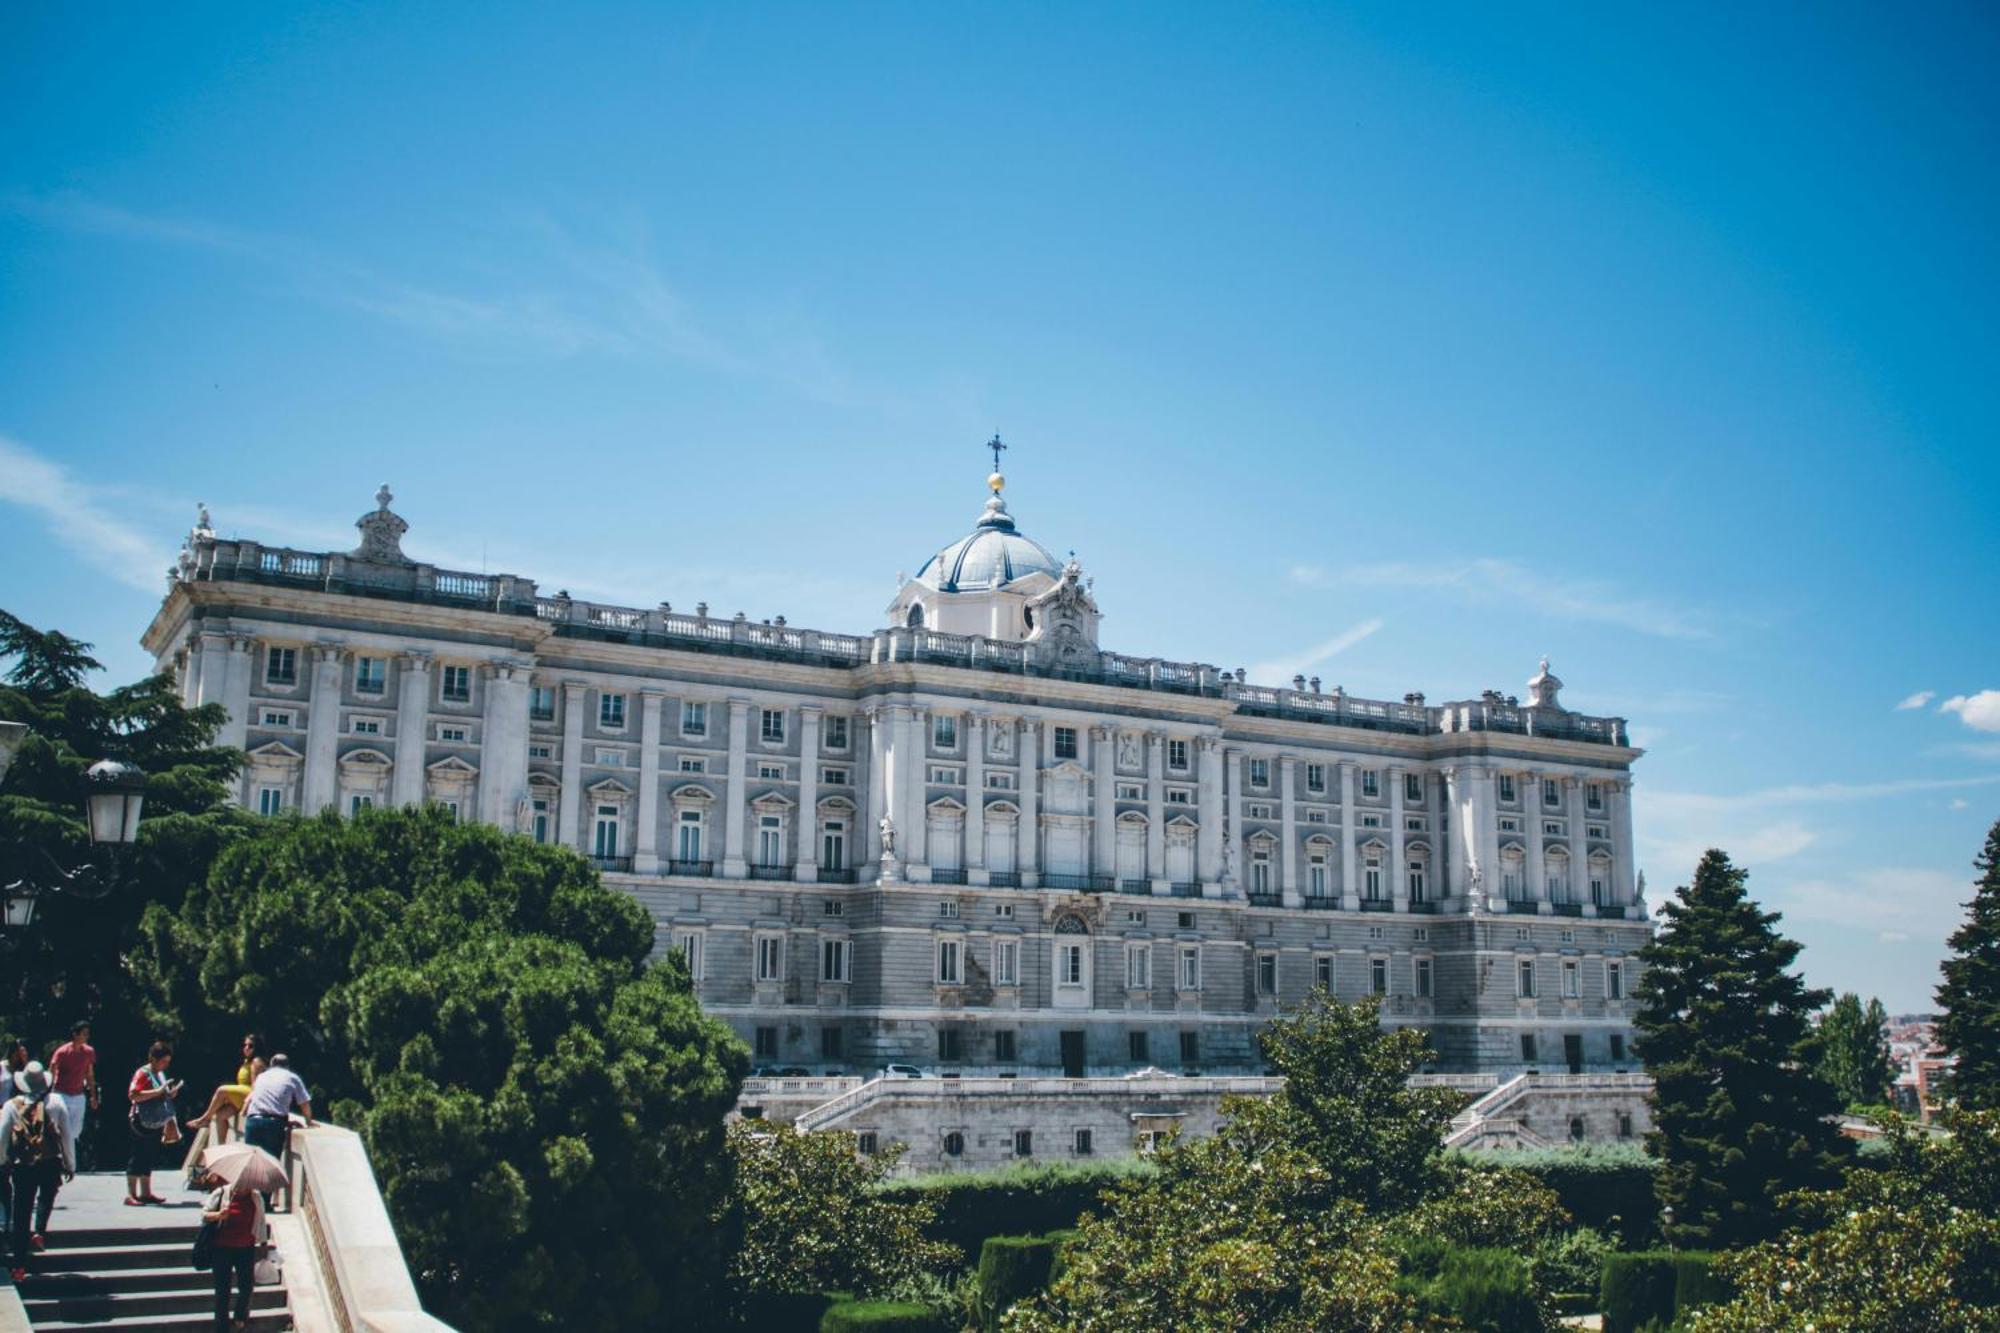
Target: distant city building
[972, 839]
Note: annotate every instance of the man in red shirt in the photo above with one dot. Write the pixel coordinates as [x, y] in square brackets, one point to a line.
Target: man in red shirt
[73, 1071]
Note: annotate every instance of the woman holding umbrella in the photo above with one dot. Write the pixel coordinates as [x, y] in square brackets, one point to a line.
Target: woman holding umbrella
[241, 1175]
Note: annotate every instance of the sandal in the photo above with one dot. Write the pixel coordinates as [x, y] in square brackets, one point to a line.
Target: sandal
[131, 1202]
[153, 1198]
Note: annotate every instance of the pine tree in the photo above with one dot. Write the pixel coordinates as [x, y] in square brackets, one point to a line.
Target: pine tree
[1970, 995]
[1854, 1051]
[1740, 1114]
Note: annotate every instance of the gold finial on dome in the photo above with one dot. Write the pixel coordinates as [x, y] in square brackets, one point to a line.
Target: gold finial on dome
[996, 483]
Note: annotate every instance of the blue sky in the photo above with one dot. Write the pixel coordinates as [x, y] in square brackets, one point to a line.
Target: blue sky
[1395, 344]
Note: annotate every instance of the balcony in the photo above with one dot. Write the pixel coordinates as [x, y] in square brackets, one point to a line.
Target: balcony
[1423, 907]
[693, 869]
[1377, 905]
[1081, 883]
[773, 872]
[1267, 899]
[1567, 909]
[1185, 888]
[1522, 906]
[1135, 886]
[940, 875]
[1004, 879]
[828, 875]
[617, 865]
[1320, 903]
[1611, 913]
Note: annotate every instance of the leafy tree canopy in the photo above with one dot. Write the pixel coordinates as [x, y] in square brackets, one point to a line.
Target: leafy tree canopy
[1970, 993]
[1740, 1115]
[1854, 1051]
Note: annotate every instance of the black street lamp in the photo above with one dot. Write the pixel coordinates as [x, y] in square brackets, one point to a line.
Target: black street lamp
[114, 794]
[115, 790]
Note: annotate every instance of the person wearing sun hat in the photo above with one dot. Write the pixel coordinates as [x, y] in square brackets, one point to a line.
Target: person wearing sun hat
[32, 1126]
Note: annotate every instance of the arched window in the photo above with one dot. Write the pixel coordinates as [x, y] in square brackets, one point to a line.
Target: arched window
[915, 620]
[1576, 1129]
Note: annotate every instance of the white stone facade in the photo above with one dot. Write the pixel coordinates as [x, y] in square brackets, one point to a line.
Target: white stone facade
[971, 840]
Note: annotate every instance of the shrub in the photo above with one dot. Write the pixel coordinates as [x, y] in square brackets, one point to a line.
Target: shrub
[1017, 1201]
[1609, 1188]
[787, 1311]
[1697, 1283]
[1571, 1262]
[886, 1317]
[1657, 1285]
[1011, 1268]
[1490, 1291]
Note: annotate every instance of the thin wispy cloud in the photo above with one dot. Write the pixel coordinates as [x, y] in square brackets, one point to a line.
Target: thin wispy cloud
[1917, 700]
[1280, 670]
[1979, 711]
[77, 519]
[1489, 579]
[1894, 903]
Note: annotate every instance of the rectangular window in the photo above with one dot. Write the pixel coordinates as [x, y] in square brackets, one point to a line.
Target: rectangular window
[1184, 920]
[1593, 795]
[541, 752]
[771, 726]
[452, 735]
[833, 844]
[1617, 1046]
[1177, 756]
[1000, 781]
[944, 731]
[834, 777]
[1065, 742]
[1260, 872]
[829, 1049]
[1527, 1048]
[1190, 1048]
[944, 775]
[770, 772]
[606, 838]
[1131, 791]
[1572, 979]
[277, 717]
[1024, 1143]
[951, 1044]
[770, 958]
[1082, 1143]
[542, 703]
[1371, 877]
[1006, 962]
[948, 973]
[1378, 976]
[1267, 974]
[1424, 991]
[371, 675]
[693, 764]
[833, 960]
[1323, 972]
[365, 726]
[694, 718]
[767, 1043]
[1614, 981]
[1551, 792]
[832, 907]
[770, 840]
[1526, 987]
[833, 733]
[1003, 1047]
[1179, 796]
[1507, 787]
[1413, 788]
[1316, 877]
[611, 712]
[1260, 772]
[1371, 782]
[456, 684]
[689, 843]
[1136, 1048]
[1257, 810]
[1069, 964]
[687, 944]
[1190, 978]
[356, 804]
[948, 907]
[1005, 911]
[538, 819]
[607, 758]
[270, 800]
[1316, 777]
[1138, 967]
[281, 666]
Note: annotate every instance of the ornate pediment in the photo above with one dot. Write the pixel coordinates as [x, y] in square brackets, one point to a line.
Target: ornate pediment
[1064, 618]
[381, 533]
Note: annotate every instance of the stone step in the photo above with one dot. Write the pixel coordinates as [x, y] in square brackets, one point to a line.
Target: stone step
[99, 1258]
[132, 1305]
[261, 1321]
[98, 1238]
[182, 1276]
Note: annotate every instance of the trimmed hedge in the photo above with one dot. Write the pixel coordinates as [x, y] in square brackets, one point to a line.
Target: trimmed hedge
[1012, 1268]
[1657, 1286]
[1016, 1201]
[1490, 1291]
[789, 1312]
[886, 1317]
[1608, 1188]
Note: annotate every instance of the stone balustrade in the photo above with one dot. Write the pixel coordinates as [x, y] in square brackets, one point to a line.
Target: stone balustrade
[358, 1266]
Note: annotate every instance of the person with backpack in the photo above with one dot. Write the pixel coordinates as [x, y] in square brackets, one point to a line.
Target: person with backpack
[32, 1126]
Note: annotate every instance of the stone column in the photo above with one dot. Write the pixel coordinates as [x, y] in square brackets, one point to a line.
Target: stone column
[1156, 812]
[808, 820]
[1486, 829]
[646, 848]
[1027, 854]
[868, 856]
[322, 769]
[236, 693]
[1623, 889]
[1350, 865]
[1450, 879]
[1233, 870]
[570, 820]
[1288, 854]
[1458, 781]
[913, 740]
[1531, 823]
[1103, 802]
[503, 751]
[1399, 870]
[413, 709]
[1579, 847]
[1208, 796]
[975, 798]
[733, 813]
[211, 667]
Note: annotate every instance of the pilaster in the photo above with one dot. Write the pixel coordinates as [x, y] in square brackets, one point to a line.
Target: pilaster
[737, 787]
[1208, 795]
[1624, 890]
[1288, 862]
[413, 710]
[869, 853]
[1229, 885]
[570, 818]
[1350, 866]
[808, 817]
[1579, 846]
[1533, 812]
[646, 847]
[975, 798]
[1156, 811]
[1399, 862]
[503, 751]
[1103, 801]
[322, 776]
[1029, 830]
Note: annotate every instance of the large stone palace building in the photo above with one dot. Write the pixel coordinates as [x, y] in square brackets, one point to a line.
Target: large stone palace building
[972, 839]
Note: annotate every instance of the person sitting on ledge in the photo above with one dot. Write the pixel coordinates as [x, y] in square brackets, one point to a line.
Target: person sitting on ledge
[227, 1103]
[268, 1111]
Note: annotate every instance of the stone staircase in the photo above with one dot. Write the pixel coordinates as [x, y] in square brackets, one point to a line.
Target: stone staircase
[102, 1272]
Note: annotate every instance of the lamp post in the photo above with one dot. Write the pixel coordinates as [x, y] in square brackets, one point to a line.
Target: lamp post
[1667, 1226]
[114, 794]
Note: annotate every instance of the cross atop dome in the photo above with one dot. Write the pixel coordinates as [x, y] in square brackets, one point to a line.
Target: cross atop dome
[997, 482]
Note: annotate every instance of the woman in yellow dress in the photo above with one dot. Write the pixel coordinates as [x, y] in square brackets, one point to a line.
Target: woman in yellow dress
[227, 1103]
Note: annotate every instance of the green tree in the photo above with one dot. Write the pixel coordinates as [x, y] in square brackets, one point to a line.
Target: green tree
[1740, 1115]
[812, 1220]
[1912, 1247]
[543, 1110]
[1854, 1051]
[73, 963]
[1970, 993]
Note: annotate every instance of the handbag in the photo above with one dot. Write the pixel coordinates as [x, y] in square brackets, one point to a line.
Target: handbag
[156, 1113]
[203, 1257]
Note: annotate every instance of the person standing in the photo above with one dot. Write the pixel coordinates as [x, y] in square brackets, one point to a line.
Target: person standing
[38, 1162]
[152, 1097]
[239, 1218]
[73, 1070]
[273, 1096]
[10, 1069]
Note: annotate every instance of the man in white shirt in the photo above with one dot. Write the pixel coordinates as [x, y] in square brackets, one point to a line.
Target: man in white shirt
[273, 1097]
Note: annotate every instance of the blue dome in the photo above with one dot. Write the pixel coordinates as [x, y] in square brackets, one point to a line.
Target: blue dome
[991, 556]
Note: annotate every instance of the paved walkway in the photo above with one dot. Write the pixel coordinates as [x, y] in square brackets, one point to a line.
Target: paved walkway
[94, 1201]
